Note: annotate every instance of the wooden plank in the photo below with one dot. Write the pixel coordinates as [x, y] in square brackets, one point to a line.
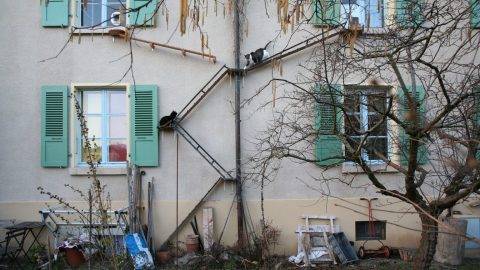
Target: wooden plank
[124, 35]
[329, 248]
[306, 260]
[208, 228]
[189, 216]
[319, 217]
[307, 228]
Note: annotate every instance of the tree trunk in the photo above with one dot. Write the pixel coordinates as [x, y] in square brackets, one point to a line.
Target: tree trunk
[428, 242]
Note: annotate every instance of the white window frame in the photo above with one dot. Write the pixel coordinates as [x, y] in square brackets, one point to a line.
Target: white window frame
[392, 131]
[104, 15]
[78, 167]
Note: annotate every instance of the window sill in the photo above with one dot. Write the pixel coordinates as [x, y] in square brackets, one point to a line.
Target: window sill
[377, 168]
[100, 170]
[372, 31]
[95, 31]
[376, 31]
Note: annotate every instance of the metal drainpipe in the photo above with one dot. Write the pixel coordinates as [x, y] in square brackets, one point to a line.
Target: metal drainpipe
[238, 169]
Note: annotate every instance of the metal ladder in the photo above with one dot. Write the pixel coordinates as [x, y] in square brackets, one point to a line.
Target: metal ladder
[204, 91]
[199, 96]
[225, 175]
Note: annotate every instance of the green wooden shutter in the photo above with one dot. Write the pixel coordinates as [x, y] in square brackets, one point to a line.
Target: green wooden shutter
[476, 96]
[326, 12]
[54, 13]
[408, 13]
[422, 153]
[328, 119]
[54, 148]
[145, 16]
[143, 125]
[475, 14]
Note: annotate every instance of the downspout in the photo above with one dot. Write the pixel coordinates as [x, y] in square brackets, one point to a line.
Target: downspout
[238, 163]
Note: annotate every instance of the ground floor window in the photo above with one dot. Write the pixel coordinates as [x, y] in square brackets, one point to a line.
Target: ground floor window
[370, 230]
[105, 111]
[365, 123]
[121, 122]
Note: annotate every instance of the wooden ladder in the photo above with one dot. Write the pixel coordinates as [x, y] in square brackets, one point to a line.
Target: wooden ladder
[306, 241]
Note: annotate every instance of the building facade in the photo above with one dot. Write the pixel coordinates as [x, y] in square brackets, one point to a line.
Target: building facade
[61, 52]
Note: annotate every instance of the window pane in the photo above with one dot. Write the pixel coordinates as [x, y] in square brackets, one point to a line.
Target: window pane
[376, 102]
[365, 230]
[352, 102]
[92, 15]
[94, 124]
[95, 151]
[373, 120]
[375, 13]
[113, 6]
[369, 13]
[354, 142]
[352, 106]
[376, 144]
[117, 150]
[106, 117]
[117, 102]
[352, 11]
[118, 127]
[364, 107]
[92, 102]
[352, 124]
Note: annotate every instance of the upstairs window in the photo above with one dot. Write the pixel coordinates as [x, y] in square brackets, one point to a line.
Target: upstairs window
[106, 114]
[366, 13]
[101, 13]
[364, 112]
[98, 13]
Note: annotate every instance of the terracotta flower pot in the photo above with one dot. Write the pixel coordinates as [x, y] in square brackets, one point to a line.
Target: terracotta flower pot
[75, 258]
[163, 256]
[192, 243]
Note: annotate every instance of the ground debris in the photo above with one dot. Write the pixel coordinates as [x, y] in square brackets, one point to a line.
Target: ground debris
[229, 260]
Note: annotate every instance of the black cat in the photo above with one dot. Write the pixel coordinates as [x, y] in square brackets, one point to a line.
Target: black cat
[257, 56]
[166, 121]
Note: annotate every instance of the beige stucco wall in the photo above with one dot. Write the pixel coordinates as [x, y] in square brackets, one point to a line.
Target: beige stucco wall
[93, 59]
[283, 214]
[402, 228]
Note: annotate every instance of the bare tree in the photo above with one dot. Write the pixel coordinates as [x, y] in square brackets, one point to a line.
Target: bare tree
[397, 96]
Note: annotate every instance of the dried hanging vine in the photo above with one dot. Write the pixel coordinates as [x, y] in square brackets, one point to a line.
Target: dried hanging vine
[183, 16]
[197, 10]
[290, 18]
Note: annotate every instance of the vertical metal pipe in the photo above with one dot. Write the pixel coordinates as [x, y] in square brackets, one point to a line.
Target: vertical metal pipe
[176, 207]
[240, 229]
